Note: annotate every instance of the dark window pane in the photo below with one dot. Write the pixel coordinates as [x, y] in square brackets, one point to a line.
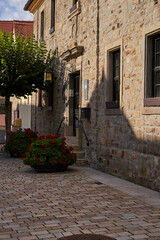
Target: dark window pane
[116, 75]
[158, 59]
[157, 80]
[75, 1]
[42, 25]
[158, 45]
[53, 14]
[157, 91]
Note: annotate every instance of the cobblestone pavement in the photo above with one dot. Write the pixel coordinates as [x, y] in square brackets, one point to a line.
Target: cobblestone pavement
[49, 206]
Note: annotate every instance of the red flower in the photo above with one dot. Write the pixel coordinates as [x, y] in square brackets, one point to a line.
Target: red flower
[27, 160]
[70, 148]
[37, 160]
[52, 163]
[43, 145]
[13, 147]
[57, 136]
[27, 150]
[63, 139]
[26, 135]
[63, 146]
[53, 145]
[22, 157]
[65, 163]
[32, 139]
[64, 156]
[63, 150]
[70, 155]
[59, 160]
[45, 148]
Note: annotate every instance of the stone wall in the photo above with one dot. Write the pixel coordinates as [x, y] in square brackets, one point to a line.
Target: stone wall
[125, 143]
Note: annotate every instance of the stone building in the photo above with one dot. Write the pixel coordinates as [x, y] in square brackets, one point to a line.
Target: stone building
[109, 76]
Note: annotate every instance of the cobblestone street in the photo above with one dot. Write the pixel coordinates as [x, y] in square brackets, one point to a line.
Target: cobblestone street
[49, 206]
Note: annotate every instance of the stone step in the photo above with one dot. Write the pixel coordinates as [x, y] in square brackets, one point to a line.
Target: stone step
[71, 141]
[80, 154]
[81, 162]
[76, 147]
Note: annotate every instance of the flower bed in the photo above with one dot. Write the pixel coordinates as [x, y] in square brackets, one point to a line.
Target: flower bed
[18, 141]
[49, 153]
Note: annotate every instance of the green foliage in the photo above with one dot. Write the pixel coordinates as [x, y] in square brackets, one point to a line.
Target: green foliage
[50, 150]
[19, 140]
[22, 65]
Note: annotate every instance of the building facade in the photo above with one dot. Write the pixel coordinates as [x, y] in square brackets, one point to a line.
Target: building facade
[109, 76]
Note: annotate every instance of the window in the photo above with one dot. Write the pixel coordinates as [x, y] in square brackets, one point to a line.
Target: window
[152, 73]
[42, 26]
[114, 79]
[52, 16]
[116, 75]
[156, 66]
[75, 1]
[75, 6]
[39, 98]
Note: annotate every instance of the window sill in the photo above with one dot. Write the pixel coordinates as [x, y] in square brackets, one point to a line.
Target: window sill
[152, 102]
[52, 30]
[75, 10]
[115, 111]
[112, 105]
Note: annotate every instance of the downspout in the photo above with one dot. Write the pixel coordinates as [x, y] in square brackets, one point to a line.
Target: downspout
[97, 77]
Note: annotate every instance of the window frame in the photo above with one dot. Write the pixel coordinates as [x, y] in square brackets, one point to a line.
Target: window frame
[150, 99]
[53, 16]
[111, 107]
[42, 26]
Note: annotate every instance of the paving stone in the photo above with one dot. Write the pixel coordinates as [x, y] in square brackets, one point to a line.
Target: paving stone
[50, 206]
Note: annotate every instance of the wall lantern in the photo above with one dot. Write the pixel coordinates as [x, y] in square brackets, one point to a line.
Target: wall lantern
[155, 1]
[48, 74]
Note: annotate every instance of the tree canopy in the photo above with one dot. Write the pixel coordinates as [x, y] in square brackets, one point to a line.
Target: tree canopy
[22, 64]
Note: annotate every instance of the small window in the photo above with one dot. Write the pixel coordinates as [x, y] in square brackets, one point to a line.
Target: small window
[74, 6]
[116, 75]
[52, 16]
[42, 25]
[114, 79]
[75, 1]
[39, 98]
[152, 73]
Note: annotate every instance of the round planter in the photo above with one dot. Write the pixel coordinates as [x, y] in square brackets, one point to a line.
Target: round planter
[49, 168]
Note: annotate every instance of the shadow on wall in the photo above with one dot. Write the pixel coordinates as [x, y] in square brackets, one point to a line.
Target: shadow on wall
[124, 146]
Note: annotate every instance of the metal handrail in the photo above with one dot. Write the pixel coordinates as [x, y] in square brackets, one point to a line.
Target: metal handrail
[81, 126]
[60, 125]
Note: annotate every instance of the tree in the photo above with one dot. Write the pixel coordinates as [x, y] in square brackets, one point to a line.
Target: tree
[22, 65]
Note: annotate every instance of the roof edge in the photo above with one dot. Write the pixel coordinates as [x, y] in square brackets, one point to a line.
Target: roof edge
[27, 5]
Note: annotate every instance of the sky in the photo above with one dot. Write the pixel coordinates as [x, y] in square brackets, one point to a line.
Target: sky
[13, 10]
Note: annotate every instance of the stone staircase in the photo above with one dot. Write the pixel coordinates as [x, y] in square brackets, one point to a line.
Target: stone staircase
[74, 142]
